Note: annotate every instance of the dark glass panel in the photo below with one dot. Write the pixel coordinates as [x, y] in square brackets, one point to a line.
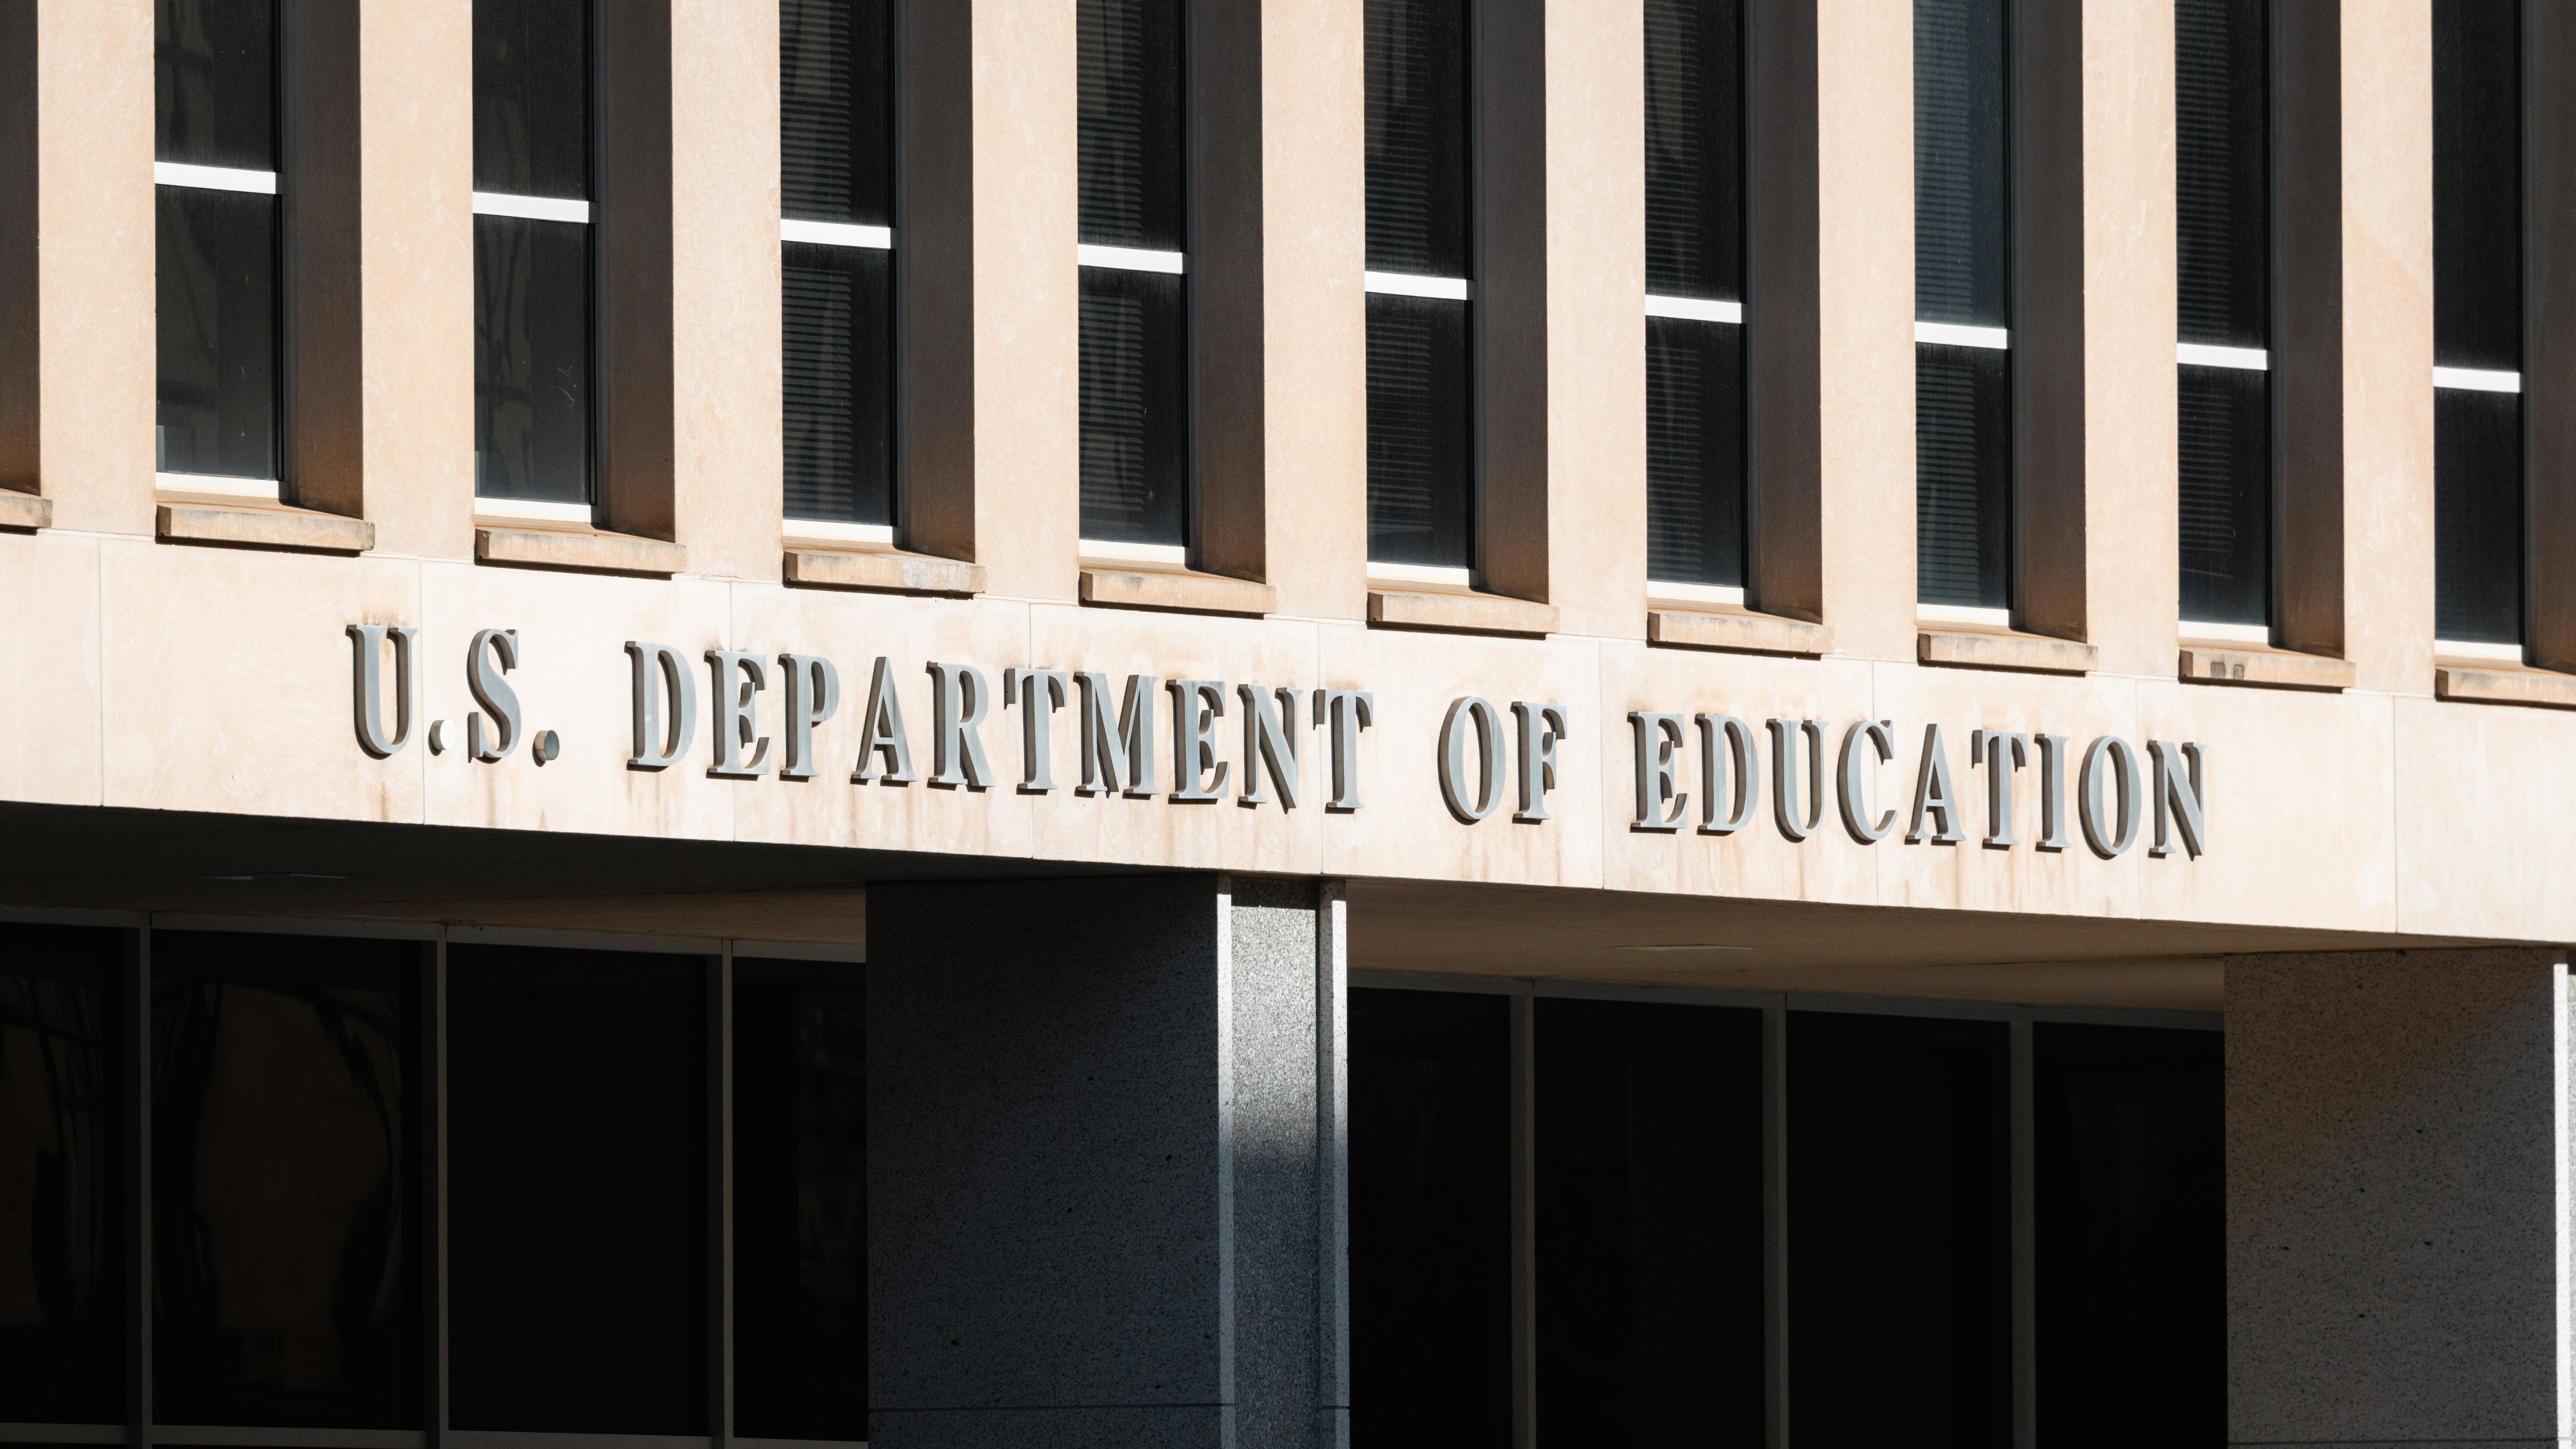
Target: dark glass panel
[1694, 452]
[1130, 97]
[1649, 1138]
[531, 359]
[1417, 431]
[1963, 475]
[2222, 171]
[284, 1157]
[1430, 1219]
[2477, 516]
[835, 111]
[1135, 407]
[2477, 184]
[216, 279]
[577, 1191]
[214, 81]
[839, 331]
[532, 97]
[1416, 66]
[2224, 451]
[62, 1113]
[1694, 148]
[800, 1202]
[2132, 1256]
[1899, 1249]
[1959, 177]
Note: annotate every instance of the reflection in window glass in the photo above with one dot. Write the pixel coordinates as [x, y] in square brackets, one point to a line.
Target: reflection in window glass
[283, 1162]
[835, 111]
[1417, 431]
[2477, 320]
[1695, 452]
[1135, 402]
[531, 359]
[216, 279]
[1416, 66]
[532, 97]
[1694, 154]
[2222, 171]
[2477, 516]
[1959, 180]
[1130, 125]
[2225, 440]
[839, 325]
[214, 91]
[1963, 475]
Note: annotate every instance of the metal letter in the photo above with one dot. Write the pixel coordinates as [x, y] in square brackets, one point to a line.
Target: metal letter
[1344, 713]
[1854, 769]
[1453, 760]
[2178, 795]
[1196, 705]
[2088, 799]
[738, 678]
[492, 692]
[2052, 792]
[1541, 727]
[1715, 768]
[1933, 793]
[813, 695]
[1784, 776]
[367, 640]
[1659, 747]
[1269, 738]
[2002, 753]
[960, 697]
[659, 667]
[885, 736]
[1039, 693]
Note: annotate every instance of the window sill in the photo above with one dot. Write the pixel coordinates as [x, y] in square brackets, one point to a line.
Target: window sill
[2004, 649]
[2264, 668]
[1737, 631]
[582, 551]
[1188, 592]
[882, 569]
[2491, 684]
[1459, 613]
[25, 510]
[238, 525]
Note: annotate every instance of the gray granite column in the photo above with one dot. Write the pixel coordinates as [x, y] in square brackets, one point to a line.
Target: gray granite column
[1103, 1159]
[2395, 1144]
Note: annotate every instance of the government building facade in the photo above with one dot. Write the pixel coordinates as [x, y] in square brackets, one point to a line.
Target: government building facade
[789, 724]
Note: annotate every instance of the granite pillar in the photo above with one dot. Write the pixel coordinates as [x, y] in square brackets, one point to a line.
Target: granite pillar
[2396, 1198]
[1104, 1163]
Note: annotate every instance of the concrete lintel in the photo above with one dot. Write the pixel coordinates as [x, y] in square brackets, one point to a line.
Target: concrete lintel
[2506, 686]
[293, 528]
[1743, 633]
[1202, 593]
[908, 573]
[2267, 668]
[1460, 613]
[610, 553]
[2030, 653]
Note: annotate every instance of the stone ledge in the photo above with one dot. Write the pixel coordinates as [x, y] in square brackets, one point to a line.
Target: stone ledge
[2264, 668]
[289, 528]
[1460, 613]
[25, 510]
[2028, 653]
[605, 553]
[1198, 593]
[1742, 633]
[2506, 686]
[904, 573]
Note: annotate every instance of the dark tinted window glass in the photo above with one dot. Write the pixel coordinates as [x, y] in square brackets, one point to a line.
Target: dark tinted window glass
[2224, 451]
[1959, 175]
[1963, 475]
[2222, 171]
[1694, 154]
[1135, 407]
[577, 1191]
[532, 97]
[839, 330]
[1417, 136]
[1130, 98]
[1901, 1214]
[62, 1252]
[531, 359]
[2477, 184]
[216, 273]
[835, 111]
[1694, 452]
[1649, 1224]
[800, 1202]
[2131, 1207]
[214, 64]
[1417, 431]
[2477, 518]
[284, 1155]
[1430, 1219]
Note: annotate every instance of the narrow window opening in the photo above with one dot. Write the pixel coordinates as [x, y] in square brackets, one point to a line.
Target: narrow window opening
[836, 240]
[1962, 351]
[2478, 548]
[1695, 509]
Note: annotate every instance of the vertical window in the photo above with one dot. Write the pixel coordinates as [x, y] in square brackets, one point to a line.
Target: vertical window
[836, 239]
[215, 193]
[2222, 185]
[1963, 316]
[1134, 256]
[2477, 328]
[1694, 295]
[532, 254]
[1419, 444]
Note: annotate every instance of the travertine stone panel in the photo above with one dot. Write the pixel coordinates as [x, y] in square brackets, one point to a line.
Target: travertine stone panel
[49, 593]
[2478, 759]
[2394, 1137]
